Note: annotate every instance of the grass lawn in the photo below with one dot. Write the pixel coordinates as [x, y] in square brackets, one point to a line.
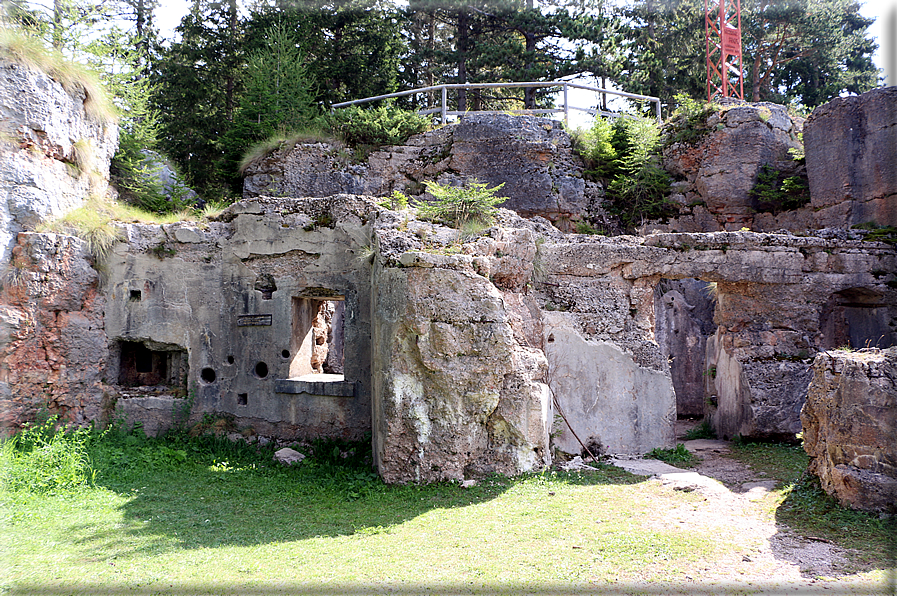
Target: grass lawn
[204, 516]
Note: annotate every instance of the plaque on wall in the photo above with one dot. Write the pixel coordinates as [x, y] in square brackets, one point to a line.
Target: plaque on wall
[254, 320]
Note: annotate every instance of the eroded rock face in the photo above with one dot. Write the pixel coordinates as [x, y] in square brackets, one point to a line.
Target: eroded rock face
[850, 422]
[851, 148]
[531, 157]
[53, 349]
[457, 393]
[54, 154]
[720, 170]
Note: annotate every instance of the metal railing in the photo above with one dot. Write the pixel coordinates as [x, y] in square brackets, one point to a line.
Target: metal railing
[444, 112]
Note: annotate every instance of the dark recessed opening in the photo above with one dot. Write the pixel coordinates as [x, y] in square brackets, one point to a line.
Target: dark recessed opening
[285, 353]
[261, 370]
[143, 360]
[242, 399]
[140, 365]
[266, 285]
[230, 359]
[135, 296]
[208, 375]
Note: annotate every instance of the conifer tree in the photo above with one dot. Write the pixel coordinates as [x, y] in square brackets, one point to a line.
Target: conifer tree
[276, 100]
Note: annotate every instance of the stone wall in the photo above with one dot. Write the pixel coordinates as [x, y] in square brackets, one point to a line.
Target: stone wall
[850, 422]
[453, 350]
[53, 153]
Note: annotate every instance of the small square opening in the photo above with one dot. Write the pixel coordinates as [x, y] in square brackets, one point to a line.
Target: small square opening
[135, 296]
[242, 399]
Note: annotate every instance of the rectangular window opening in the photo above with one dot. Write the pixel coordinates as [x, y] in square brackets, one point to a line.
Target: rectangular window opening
[141, 366]
[317, 338]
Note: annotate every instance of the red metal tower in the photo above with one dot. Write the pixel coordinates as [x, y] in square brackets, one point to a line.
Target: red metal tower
[725, 71]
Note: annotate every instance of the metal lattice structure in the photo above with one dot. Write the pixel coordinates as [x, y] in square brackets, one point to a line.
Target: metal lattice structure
[725, 70]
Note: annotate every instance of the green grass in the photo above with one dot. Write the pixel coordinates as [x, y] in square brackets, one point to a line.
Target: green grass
[676, 455]
[207, 516]
[701, 431]
[201, 515]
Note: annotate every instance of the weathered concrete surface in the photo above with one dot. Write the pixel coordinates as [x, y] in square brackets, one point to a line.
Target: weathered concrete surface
[684, 320]
[445, 341]
[613, 404]
[850, 425]
[52, 346]
[54, 153]
[772, 294]
[228, 294]
[720, 169]
[531, 156]
[851, 148]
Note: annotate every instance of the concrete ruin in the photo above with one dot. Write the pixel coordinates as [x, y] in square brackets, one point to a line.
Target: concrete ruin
[850, 422]
[333, 316]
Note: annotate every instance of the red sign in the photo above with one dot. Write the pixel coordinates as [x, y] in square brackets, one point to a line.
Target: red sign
[731, 41]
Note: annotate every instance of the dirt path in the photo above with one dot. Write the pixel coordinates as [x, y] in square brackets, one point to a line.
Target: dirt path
[738, 505]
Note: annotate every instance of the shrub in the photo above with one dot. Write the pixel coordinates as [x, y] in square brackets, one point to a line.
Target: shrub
[397, 201]
[677, 455]
[623, 154]
[461, 207]
[46, 458]
[385, 125]
[701, 431]
[775, 192]
[688, 123]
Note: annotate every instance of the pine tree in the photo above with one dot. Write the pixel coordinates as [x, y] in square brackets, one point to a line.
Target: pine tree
[277, 100]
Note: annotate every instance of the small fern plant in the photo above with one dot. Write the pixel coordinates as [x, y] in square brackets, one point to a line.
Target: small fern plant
[461, 207]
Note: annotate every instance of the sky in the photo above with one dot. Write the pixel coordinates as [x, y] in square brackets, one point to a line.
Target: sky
[884, 30]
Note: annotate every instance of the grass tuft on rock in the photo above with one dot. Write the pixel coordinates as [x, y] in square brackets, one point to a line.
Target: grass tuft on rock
[30, 52]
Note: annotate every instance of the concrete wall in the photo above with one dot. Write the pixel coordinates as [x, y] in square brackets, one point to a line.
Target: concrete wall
[230, 295]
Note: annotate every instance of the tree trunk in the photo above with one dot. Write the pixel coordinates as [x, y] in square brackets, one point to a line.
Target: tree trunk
[529, 94]
[431, 49]
[463, 33]
[230, 77]
[57, 24]
[755, 80]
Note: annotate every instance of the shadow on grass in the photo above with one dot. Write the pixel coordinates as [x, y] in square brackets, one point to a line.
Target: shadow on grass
[206, 493]
[811, 513]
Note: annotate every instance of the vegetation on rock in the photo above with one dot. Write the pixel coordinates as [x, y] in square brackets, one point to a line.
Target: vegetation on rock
[467, 207]
[624, 155]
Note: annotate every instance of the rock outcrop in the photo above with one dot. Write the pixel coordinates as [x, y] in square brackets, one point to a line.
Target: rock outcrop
[531, 157]
[850, 422]
[53, 349]
[53, 154]
[718, 171]
[851, 148]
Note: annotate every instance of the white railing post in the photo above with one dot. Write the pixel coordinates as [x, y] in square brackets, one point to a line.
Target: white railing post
[444, 103]
[566, 107]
